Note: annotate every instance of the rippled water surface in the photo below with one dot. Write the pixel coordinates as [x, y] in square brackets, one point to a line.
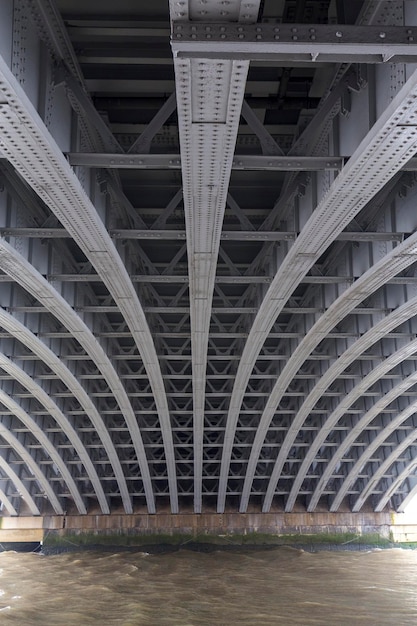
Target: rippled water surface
[279, 586]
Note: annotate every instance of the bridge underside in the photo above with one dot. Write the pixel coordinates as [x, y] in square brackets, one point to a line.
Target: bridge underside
[208, 255]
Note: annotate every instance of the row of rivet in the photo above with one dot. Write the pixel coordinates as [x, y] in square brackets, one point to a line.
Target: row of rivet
[242, 34]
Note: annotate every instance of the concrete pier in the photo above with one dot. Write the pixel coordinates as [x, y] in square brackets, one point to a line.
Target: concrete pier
[130, 528]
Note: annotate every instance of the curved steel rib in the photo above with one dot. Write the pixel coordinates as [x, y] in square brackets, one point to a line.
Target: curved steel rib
[20, 487]
[37, 432]
[380, 155]
[407, 500]
[5, 500]
[36, 390]
[35, 345]
[31, 463]
[28, 146]
[341, 307]
[13, 264]
[411, 467]
[370, 450]
[399, 259]
[354, 395]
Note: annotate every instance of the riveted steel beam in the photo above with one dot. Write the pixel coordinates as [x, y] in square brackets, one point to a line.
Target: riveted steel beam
[209, 102]
[173, 235]
[303, 43]
[173, 161]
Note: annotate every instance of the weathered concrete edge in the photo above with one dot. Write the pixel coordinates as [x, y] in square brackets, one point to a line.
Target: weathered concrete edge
[249, 527]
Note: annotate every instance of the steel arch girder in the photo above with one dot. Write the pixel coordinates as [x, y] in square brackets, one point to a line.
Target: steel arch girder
[26, 381]
[369, 165]
[38, 159]
[32, 465]
[367, 454]
[20, 487]
[393, 263]
[356, 431]
[367, 490]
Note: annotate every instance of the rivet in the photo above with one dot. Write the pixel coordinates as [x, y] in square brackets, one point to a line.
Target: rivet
[339, 33]
[382, 35]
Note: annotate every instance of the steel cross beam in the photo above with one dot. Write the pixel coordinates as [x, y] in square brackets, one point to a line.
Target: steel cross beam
[388, 146]
[209, 101]
[299, 43]
[174, 235]
[238, 279]
[173, 161]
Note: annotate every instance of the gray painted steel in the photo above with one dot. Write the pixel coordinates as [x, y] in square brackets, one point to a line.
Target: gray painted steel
[208, 256]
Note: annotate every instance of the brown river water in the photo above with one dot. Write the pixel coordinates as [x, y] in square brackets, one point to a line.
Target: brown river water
[266, 587]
